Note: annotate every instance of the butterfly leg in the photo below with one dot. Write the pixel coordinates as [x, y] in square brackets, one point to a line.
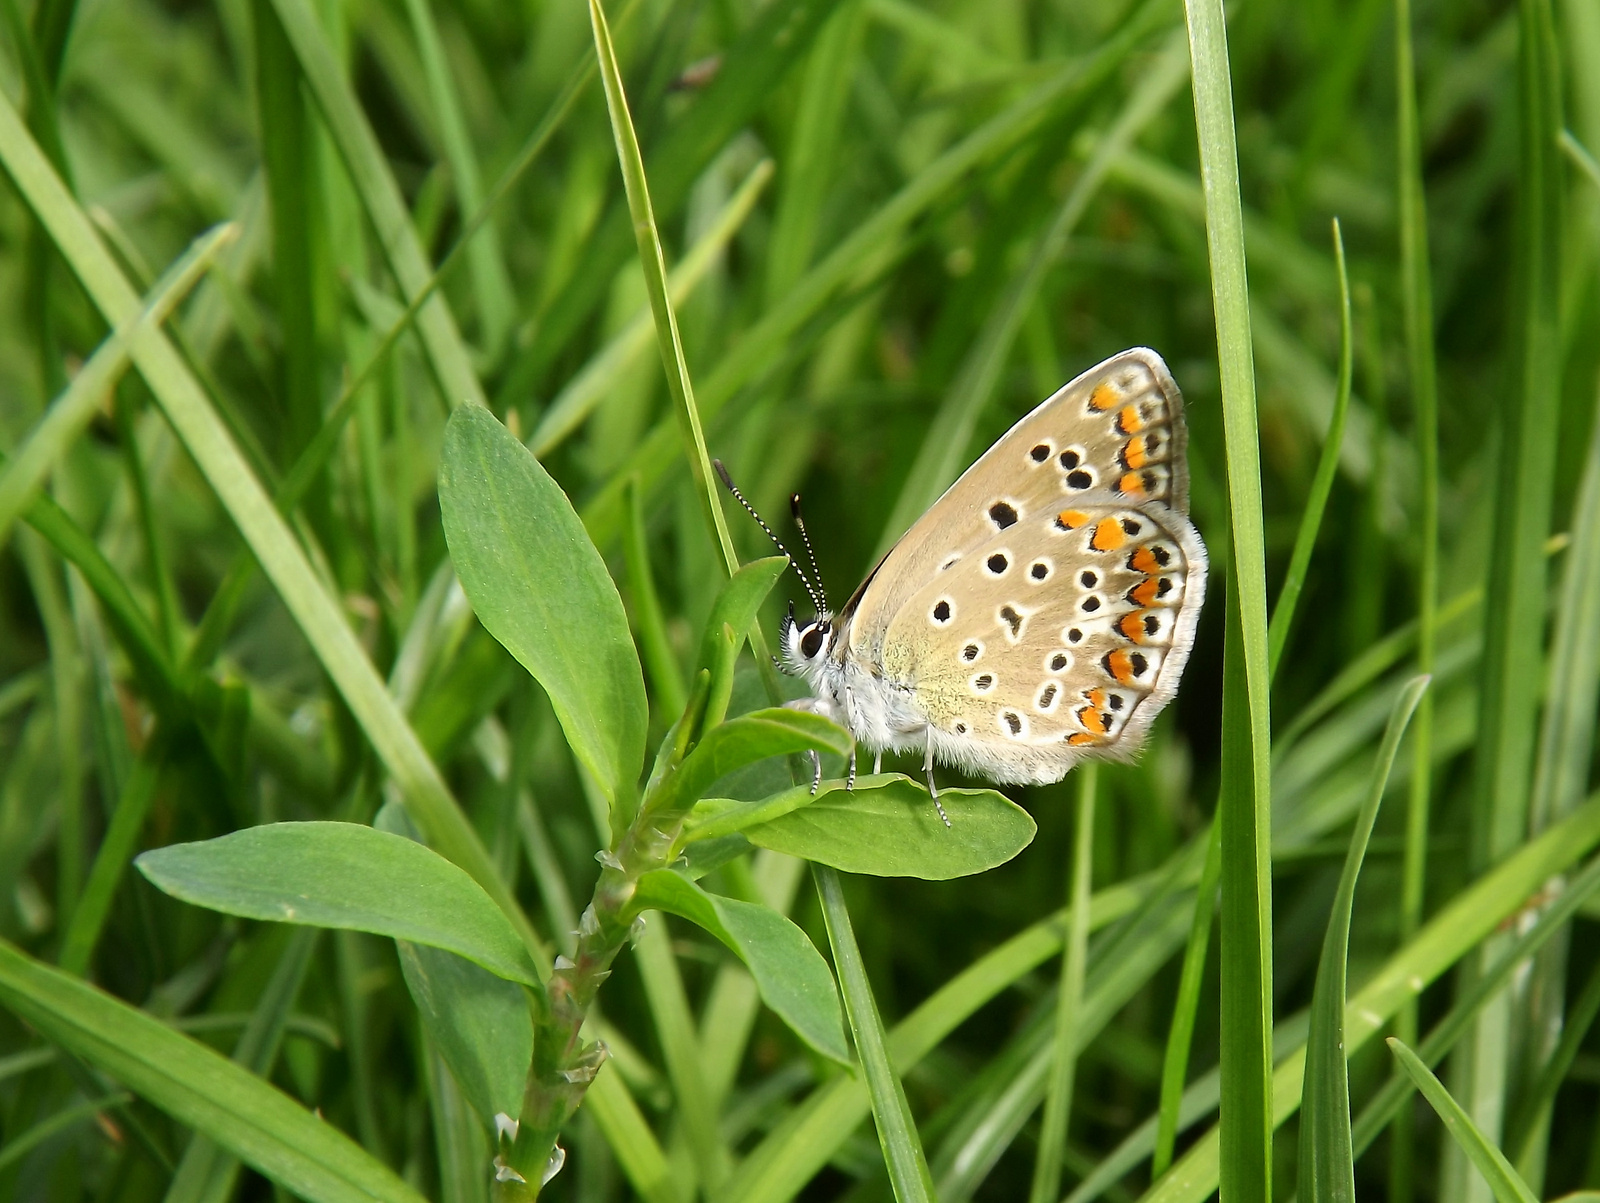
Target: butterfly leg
[927, 767]
[816, 772]
[877, 763]
[850, 779]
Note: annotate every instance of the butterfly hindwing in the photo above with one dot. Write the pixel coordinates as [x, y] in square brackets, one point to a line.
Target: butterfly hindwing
[1064, 634]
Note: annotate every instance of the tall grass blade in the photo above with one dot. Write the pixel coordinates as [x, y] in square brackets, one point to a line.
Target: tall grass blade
[1064, 1047]
[1305, 539]
[653, 262]
[1327, 1162]
[1516, 600]
[1245, 808]
[897, 1131]
[1416, 287]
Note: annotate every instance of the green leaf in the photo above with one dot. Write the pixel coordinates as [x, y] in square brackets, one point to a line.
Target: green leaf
[745, 740]
[1508, 1187]
[1327, 1161]
[887, 827]
[479, 1022]
[253, 1120]
[792, 976]
[739, 602]
[540, 588]
[343, 875]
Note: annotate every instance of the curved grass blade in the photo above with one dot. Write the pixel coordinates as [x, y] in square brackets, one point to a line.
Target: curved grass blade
[1503, 1180]
[1327, 1162]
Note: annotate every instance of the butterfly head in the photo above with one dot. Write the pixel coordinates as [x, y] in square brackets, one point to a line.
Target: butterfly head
[806, 644]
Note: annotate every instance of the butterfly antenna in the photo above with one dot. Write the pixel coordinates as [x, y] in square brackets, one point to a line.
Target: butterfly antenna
[811, 552]
[811, 591]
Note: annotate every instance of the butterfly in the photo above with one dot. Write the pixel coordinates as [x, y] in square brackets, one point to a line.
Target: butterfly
[1042, 610]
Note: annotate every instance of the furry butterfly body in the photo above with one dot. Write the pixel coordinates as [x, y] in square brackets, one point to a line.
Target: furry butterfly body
[1040, 611]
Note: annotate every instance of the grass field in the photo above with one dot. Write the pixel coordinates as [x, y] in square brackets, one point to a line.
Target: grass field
[362, 363]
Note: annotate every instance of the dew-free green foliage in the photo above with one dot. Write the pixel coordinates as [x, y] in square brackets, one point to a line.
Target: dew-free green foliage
[377, 647]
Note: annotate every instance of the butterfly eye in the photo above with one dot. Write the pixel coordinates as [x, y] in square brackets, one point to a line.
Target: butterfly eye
[811, 643]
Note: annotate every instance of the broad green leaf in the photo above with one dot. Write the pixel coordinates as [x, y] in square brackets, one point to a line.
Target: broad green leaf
[540, 588]
[253, 1120]
[343, 875]
[1327, 1161]
[792, 976]
[887, 827]
[1507, 1185]
[744, 740]
[479, 1022]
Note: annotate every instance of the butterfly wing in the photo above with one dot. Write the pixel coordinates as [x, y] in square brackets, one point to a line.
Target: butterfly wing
[1063, 636]
[1093, 481]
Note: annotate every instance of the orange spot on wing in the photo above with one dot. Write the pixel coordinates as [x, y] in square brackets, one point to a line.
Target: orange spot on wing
[1103, 397]
[1145, 592]
[1132, 626]
[1079, 739]
[1120, 666]
[1128, 420]
[1144, 560]
[1072, 519]
[1134, 454]
[1108, 535]
[1130, 482]
[1096, 698]
[1091, 720]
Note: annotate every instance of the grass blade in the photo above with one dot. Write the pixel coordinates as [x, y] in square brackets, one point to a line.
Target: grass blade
[1327, 1163]
[1305, 539]
[1064, 1047]
[1175, 1061]
[1458, 928]
[67, 416]
[254, 1121]
[1245, 808]
[1514, 609]
[1490, 1161]
[1416, 288]
[897, 1132]
[653, 262]
[207, 440]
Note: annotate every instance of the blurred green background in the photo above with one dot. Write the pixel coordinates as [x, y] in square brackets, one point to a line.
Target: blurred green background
[896, 227]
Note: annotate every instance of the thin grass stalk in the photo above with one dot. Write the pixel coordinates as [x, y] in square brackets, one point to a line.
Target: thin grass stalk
[1046, 1186]
[897, 1131]
[1305, 540]
[1416, 287]
[1245, 809]
[1327, 1161]
[1516, 599]
[666, 676]
[653, 262]
[1180, 1035]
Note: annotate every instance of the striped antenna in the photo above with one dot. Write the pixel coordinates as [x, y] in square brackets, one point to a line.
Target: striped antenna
[814, 593]
[811, 552]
